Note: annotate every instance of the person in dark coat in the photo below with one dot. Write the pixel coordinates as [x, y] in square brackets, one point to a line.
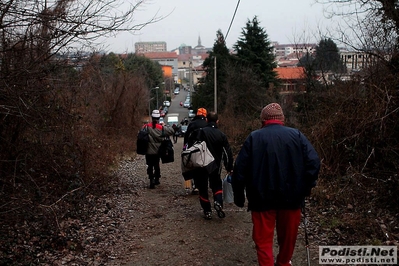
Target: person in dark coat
[218, 145]
[176, 134]
[199, 121]
[277, 167]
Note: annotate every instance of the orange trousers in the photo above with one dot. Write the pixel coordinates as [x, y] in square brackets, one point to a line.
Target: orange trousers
[286, 223]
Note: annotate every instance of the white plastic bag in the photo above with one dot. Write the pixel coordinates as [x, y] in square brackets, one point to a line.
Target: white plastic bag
[228, 195]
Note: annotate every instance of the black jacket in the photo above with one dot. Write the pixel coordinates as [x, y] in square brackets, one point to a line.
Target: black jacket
[198, 121]
[277, 167]
[218, 145]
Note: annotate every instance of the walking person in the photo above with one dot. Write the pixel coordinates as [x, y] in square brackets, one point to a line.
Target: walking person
[155, 131]
[218, 145]
[198, 121]
[176, 133]
[277, 167]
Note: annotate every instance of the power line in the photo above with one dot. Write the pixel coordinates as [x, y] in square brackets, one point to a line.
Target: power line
[232, 19]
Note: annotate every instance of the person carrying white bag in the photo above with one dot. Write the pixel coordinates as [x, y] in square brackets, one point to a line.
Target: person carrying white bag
[218, 145]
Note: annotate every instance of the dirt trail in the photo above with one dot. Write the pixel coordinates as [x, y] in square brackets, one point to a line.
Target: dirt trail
[166, 225]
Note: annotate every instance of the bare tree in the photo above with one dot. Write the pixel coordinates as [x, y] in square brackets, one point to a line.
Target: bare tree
[46, 131]
[370, 28]
[54, 25]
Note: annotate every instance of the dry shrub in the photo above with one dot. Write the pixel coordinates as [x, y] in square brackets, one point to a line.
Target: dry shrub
[110, 117]
[353, 125]
[66, 129]
[237, 128]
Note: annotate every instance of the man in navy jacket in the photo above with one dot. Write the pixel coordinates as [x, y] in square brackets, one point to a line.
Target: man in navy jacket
[277, 167]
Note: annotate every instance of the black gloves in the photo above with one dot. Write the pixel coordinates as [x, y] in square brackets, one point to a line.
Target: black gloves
[239, 200]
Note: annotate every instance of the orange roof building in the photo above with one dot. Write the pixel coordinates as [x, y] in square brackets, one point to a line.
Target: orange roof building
[292, 79]
[164, 59]
[286, 73]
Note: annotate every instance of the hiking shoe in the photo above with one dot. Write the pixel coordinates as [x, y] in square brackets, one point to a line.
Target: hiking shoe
[152, 184]
[219, 209]
[195, 191]
[208, 215]
[157, 181]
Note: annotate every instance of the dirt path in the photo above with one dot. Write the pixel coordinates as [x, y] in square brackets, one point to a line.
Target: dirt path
[166, 225]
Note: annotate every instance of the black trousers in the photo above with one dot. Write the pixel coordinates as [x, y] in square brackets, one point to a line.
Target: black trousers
[153, 169]
[201, 179]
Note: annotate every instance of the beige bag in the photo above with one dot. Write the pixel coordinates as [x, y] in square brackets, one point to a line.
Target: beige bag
[197, 156]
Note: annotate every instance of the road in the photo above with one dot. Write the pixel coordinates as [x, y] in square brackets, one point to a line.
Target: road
[175, 105]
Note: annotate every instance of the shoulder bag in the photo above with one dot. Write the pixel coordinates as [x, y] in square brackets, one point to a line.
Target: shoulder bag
[142, 141]
[166, 151]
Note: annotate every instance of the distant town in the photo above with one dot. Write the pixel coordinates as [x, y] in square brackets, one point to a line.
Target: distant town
[186, 61]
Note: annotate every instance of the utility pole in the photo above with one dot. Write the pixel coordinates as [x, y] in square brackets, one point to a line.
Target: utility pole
[149, 102]
[190, 73]
[215, 101]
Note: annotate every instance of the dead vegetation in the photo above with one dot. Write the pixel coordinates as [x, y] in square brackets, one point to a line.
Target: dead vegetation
[65, 122]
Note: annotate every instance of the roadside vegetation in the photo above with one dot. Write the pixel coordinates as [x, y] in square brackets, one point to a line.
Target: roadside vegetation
[68, 118]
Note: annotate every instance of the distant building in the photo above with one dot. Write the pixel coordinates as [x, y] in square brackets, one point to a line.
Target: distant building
[283, 50]
[291, 60]
[184, 49]
[292, 82]
[355, 60]
[292, 79]
[150, 47]
[164, 59]
[187, 64]
[200, 49]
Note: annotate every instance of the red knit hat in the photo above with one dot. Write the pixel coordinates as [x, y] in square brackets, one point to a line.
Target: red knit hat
[272, 111]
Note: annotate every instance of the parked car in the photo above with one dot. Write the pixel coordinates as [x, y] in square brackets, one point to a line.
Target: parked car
[166, 103]
[166, 109]
[186, 104]
[191, 114]
[177, 91]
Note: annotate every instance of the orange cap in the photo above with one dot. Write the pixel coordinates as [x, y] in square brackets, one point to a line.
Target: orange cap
[201, 111]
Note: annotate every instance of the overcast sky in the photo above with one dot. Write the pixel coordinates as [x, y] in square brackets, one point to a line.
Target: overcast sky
[285, 21]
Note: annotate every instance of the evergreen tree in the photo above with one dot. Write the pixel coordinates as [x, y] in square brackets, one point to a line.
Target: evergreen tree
[204, 96]
[254, 50]
[152, 71]
[327, 57]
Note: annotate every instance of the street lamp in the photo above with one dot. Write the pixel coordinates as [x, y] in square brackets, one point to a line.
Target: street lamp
[157, 88]
[149, 101]
[191, 77]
